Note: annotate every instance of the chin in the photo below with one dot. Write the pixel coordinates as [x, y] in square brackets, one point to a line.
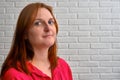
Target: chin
[50, 44]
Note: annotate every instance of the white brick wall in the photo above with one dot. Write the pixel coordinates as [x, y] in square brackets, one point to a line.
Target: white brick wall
[88, 39]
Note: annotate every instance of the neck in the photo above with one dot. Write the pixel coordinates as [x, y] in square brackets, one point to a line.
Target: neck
[41, 61]
[40, 56]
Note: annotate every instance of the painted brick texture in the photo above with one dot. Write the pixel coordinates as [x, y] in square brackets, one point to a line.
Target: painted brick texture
[88, 38]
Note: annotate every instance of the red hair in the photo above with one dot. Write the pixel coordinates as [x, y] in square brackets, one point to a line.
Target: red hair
[21, 49]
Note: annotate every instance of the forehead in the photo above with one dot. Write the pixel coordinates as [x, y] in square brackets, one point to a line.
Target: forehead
[43, 13]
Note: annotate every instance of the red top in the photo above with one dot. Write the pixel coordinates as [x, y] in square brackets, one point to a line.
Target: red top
[61, 72]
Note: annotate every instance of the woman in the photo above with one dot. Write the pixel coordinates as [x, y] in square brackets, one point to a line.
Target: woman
[33, 53]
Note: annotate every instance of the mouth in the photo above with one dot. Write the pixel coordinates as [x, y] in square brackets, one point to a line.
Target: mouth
[47, 36]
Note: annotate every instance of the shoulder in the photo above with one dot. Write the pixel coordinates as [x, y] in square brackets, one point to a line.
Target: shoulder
[63, 67]
[13, 74]
[63, 64]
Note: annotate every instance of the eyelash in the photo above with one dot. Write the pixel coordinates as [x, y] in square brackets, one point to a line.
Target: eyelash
[38, 23]
[49, 22]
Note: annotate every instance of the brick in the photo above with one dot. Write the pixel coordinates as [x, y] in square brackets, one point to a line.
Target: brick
[101, 33]
[116, 33]
[66, 16]
[62, 21]
[115, 10]
[89, 76]
[79, 57]
[100, 10]
[67, 51]
[101, 57]
[1, 34]
[9, 33]
[62, 45]
[53, 4]
[4, 51]
[87, 16]
[100, 46]
[20, 4]
[2, 10]
[79, 45]
[6, 27]
[110, 64]
[1, 57]
[78, 21]
[73, 64]
[59, 0]
[101, 70]
[67, 39]
[79, 10]
[2, 0]
[62, 33]
[88, 4]
[5, 39]
[110, 16]
[88, 51]
[7, 16]
[2, 21]
[116, 58]
[88, 64]
[89, 28]
[1, 64]
[65, 57]
[67, 4]
[116, 45]
[94, 0]
[81, 70]
[110, 76]
[88, 39]
[116, 21]
[110, 52]
[109, 27]
[116, 69]
[7, 45]
[16, 16]
[14, 0]
[68, 27]
[110, 39]
[100, 22]
[7, 4]
[115, 0]
[60, 10]
[10, 21]
[13, 10]
[1, 45]
[109, 4]
[75, 76]
[79, 33]
[80, 0]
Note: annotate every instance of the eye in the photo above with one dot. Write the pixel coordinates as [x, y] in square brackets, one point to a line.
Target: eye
[37, 23]
[51, 22]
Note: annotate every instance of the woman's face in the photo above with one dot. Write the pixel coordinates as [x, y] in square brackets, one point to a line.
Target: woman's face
[43, 31]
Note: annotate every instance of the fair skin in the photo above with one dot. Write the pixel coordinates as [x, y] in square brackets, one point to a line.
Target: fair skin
[42, 36]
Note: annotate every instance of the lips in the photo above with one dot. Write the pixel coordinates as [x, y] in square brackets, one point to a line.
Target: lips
[47, 35]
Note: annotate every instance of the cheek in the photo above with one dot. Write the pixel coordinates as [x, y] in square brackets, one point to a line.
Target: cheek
[32, 35]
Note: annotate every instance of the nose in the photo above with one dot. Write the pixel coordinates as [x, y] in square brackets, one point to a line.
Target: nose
[47, 27]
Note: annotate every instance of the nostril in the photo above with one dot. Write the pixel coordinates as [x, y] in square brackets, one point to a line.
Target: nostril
[46, 29]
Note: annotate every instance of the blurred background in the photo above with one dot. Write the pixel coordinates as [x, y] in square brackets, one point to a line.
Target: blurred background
[88, 38]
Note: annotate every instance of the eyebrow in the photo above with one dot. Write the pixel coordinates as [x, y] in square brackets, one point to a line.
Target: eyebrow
[43, 20]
